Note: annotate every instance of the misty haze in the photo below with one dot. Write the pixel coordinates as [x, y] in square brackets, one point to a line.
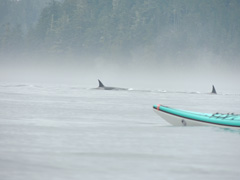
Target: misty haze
[56, 123]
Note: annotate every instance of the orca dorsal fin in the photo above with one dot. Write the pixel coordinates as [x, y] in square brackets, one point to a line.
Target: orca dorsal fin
[214, 90]
[100, 83]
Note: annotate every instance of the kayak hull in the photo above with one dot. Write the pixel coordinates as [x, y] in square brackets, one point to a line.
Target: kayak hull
[181, 118]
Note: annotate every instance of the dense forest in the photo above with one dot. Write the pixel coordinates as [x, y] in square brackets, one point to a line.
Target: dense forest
[121, 28]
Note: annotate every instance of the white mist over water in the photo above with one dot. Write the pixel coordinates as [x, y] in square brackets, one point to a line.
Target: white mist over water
[196, 73]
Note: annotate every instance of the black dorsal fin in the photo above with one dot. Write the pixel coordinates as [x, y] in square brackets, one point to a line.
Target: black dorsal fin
[100, 83]
[214, 90]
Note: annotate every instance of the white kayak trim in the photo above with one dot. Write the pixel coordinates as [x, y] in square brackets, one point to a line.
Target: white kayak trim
[178, 117]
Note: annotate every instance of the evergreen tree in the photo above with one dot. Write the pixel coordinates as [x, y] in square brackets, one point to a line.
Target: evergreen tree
[120, 27]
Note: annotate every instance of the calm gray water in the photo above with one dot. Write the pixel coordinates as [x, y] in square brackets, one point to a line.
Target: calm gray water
[72, 133]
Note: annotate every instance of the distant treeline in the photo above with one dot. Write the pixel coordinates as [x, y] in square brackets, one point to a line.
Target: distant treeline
[119, 27]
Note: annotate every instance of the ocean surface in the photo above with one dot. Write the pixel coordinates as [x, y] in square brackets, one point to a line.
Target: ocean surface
[54, 132]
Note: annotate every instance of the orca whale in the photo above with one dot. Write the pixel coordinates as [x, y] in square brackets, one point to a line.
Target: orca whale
[213, 90]
[101, 86]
